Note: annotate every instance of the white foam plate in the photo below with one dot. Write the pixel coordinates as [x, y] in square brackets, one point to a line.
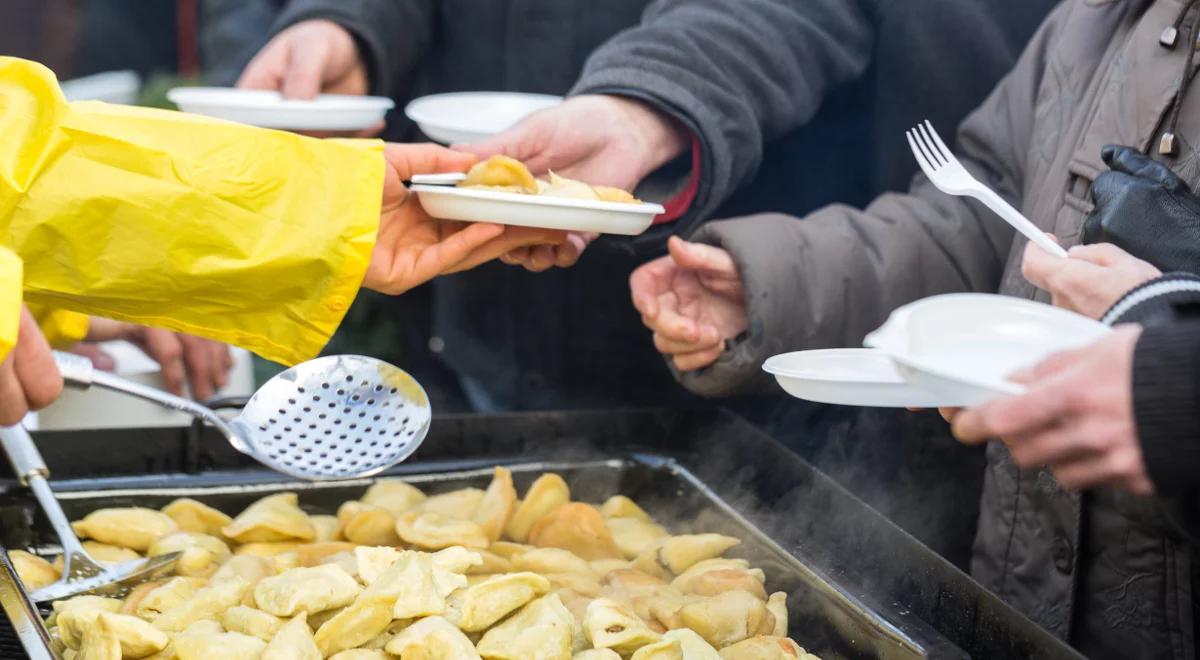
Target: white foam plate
[111, 87]
[966, 346]
[464, 117]
[849, 377]
[327, 112]
[473, 205]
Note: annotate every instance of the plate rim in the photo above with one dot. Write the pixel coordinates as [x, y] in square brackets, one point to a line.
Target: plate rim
[777, 371]
[322, 103]
[413, 106]
[540, 200]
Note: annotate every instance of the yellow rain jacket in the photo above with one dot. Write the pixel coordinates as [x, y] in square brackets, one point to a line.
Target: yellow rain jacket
[252, 237]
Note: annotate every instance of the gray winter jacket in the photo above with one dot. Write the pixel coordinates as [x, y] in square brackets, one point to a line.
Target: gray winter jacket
[1108, 571]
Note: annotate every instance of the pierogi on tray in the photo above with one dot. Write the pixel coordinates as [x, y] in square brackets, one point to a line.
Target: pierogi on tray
[474, 574]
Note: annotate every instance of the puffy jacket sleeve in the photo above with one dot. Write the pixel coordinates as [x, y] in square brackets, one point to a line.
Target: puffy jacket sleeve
[392, 34]
[253, 237]
[735, 79]
[830, 278]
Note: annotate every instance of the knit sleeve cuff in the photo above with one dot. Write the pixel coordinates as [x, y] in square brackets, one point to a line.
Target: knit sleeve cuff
[1166, 404]
[1162, 299]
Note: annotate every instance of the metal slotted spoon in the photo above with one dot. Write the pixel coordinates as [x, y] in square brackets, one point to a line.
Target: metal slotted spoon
[336, 417]
[81, 572]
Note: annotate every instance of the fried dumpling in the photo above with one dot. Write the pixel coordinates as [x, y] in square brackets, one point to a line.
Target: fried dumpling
[483, 604]
[547, 493]
[84, 602]
[497, 504]
[764, 648]
[207, 603]
[501, 172]
[610, 194]
[34, 571]
[100, 641]
[294, 641]
[355, 625]
[597, 654]
[200, 554]
[461, 504]
[619, 506]
[682, 582]
[273, 518]
[366, 524]
[550, 560]
[777, 606]
[248, 568]
[326, 528]
[693, 645]
[577, 527]
[394, 495]
[360, 654]
[432, 638]
[711, 583]
[490, 564]
[127, 527]
[206, 645]
[541, 629]
[456, 559]
[727, 618]
[410, 581]
[371, 562]
[564, 188]
[198, 517]
[309, 590]
[582, 583]
[663, 649]
[634, 535]
[251, 621]
[612, 625]
[164, 597]
[434, 531]
[676, 554]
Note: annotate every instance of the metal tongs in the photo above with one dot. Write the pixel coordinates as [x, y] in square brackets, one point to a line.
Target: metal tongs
[81, 572]
[335, 417]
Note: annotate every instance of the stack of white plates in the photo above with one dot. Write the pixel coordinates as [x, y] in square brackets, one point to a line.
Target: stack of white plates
[956, 350]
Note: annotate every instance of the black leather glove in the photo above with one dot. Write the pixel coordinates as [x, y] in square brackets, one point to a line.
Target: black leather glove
[1144, 209]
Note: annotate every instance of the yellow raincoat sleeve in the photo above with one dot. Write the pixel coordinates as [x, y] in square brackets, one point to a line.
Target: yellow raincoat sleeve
[62, 329]
[253, 237]
[10, 301]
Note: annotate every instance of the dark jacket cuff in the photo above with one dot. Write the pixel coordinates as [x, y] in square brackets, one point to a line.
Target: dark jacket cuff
[1166, 404]
[1161, 300]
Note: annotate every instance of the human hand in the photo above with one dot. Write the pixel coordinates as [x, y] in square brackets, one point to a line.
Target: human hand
[598, 139]
[693, 301]
[29, 378]
[1090, 280]
[412, 248]
[202, 363]
[310, 58]
[1076, 417]
[1145, 209]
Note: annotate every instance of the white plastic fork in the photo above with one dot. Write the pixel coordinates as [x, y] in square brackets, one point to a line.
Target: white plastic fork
[950, 177]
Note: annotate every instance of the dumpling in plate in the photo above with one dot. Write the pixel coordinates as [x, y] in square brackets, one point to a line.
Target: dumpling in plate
[663, 649]
[200, 554]
[34, 571]
[460, 504]
[568, 189]
[619, 506]
[634, 535]
[481, 605]
[693, 645]
[308, 590]
[597, 654]
[267, 548]
[294, 641]
[547, 493]
[355, 625]
[207, 603]
[777, 606]
[501, 173]
[100, 642]
[727, 618]
[327, 528]
[360, 654]
[250, 621]
[541, 629]
[273, 518]
[577, 527]
[434, 531]
[411, 583]
[198, 517]
[164, 597]
[609, 194]
[83, 602]
[432, 638]
[196, 645]
[313, 554]
[551, 560]
[366, 524]
[612, 625]
[497, 504]
[394, 495]
[128, 527]
[371, 562]
[764, 648]
[248, 568]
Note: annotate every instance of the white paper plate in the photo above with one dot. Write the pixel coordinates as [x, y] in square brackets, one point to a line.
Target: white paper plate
[849, 377]
[472, 205]
[327, 112]
[464, 117]
[111, 87]
[965, 346]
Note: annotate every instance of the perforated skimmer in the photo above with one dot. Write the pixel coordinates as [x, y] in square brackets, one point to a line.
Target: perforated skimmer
[336, 417]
